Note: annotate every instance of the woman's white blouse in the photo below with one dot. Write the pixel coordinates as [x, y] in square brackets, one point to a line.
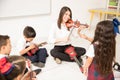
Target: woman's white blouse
[56, 33]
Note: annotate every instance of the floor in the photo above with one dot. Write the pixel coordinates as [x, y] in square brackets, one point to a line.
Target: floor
[66, 70]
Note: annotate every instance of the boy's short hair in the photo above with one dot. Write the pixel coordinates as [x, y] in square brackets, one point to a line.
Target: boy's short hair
[3, 40]
[29, 32]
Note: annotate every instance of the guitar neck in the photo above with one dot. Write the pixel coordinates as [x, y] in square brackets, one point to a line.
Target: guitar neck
[42, 44]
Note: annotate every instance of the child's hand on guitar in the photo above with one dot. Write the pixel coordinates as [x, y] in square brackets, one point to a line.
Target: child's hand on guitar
[32, 46]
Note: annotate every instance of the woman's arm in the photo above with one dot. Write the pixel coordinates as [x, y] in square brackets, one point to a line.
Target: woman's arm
[27, 76]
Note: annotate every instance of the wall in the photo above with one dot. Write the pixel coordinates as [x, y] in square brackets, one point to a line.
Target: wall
[15, 8]
[14, 26]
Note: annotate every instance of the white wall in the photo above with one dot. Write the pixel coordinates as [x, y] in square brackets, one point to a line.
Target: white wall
[14, 26]
[12, 8]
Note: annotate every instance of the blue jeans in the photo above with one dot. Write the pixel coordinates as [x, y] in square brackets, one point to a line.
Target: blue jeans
[39, 56]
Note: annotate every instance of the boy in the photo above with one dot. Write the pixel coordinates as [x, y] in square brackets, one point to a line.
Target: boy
[25, 45]
[5, 46]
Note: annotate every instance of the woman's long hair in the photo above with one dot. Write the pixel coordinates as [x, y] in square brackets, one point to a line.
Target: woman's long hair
[61, 14]
[105, 49]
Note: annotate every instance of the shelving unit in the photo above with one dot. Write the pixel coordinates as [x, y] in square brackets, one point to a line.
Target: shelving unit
[114, 6]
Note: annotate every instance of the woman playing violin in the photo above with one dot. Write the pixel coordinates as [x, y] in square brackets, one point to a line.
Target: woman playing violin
[60, 36]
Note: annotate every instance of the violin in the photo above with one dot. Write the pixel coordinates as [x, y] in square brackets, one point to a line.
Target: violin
[70, 23]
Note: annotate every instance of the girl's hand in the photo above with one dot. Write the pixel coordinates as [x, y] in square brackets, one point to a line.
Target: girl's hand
[85, 71]
[28, 64]
[83, 36]
[28, 76]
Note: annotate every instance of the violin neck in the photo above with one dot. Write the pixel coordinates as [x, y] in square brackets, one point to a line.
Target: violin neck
[86, 26]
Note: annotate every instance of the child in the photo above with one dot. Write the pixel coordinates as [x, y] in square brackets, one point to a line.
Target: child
[39, 57]
[60, 36]
[5, 48]
[13, 68]
[5, 45]
[101, 53]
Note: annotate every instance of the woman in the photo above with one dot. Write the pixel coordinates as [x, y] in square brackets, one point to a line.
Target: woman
[60, 35]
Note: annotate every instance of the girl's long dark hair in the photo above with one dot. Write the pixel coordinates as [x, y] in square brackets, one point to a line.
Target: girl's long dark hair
[105, 49]
[61, 14]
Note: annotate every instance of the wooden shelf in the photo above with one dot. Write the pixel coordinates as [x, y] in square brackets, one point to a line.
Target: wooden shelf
[113, 5]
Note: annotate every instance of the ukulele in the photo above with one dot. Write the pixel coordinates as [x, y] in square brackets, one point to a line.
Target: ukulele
[72, 53]
[34, 50]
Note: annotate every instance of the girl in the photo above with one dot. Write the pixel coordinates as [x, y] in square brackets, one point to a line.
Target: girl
[13, 68]
[101, 53]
